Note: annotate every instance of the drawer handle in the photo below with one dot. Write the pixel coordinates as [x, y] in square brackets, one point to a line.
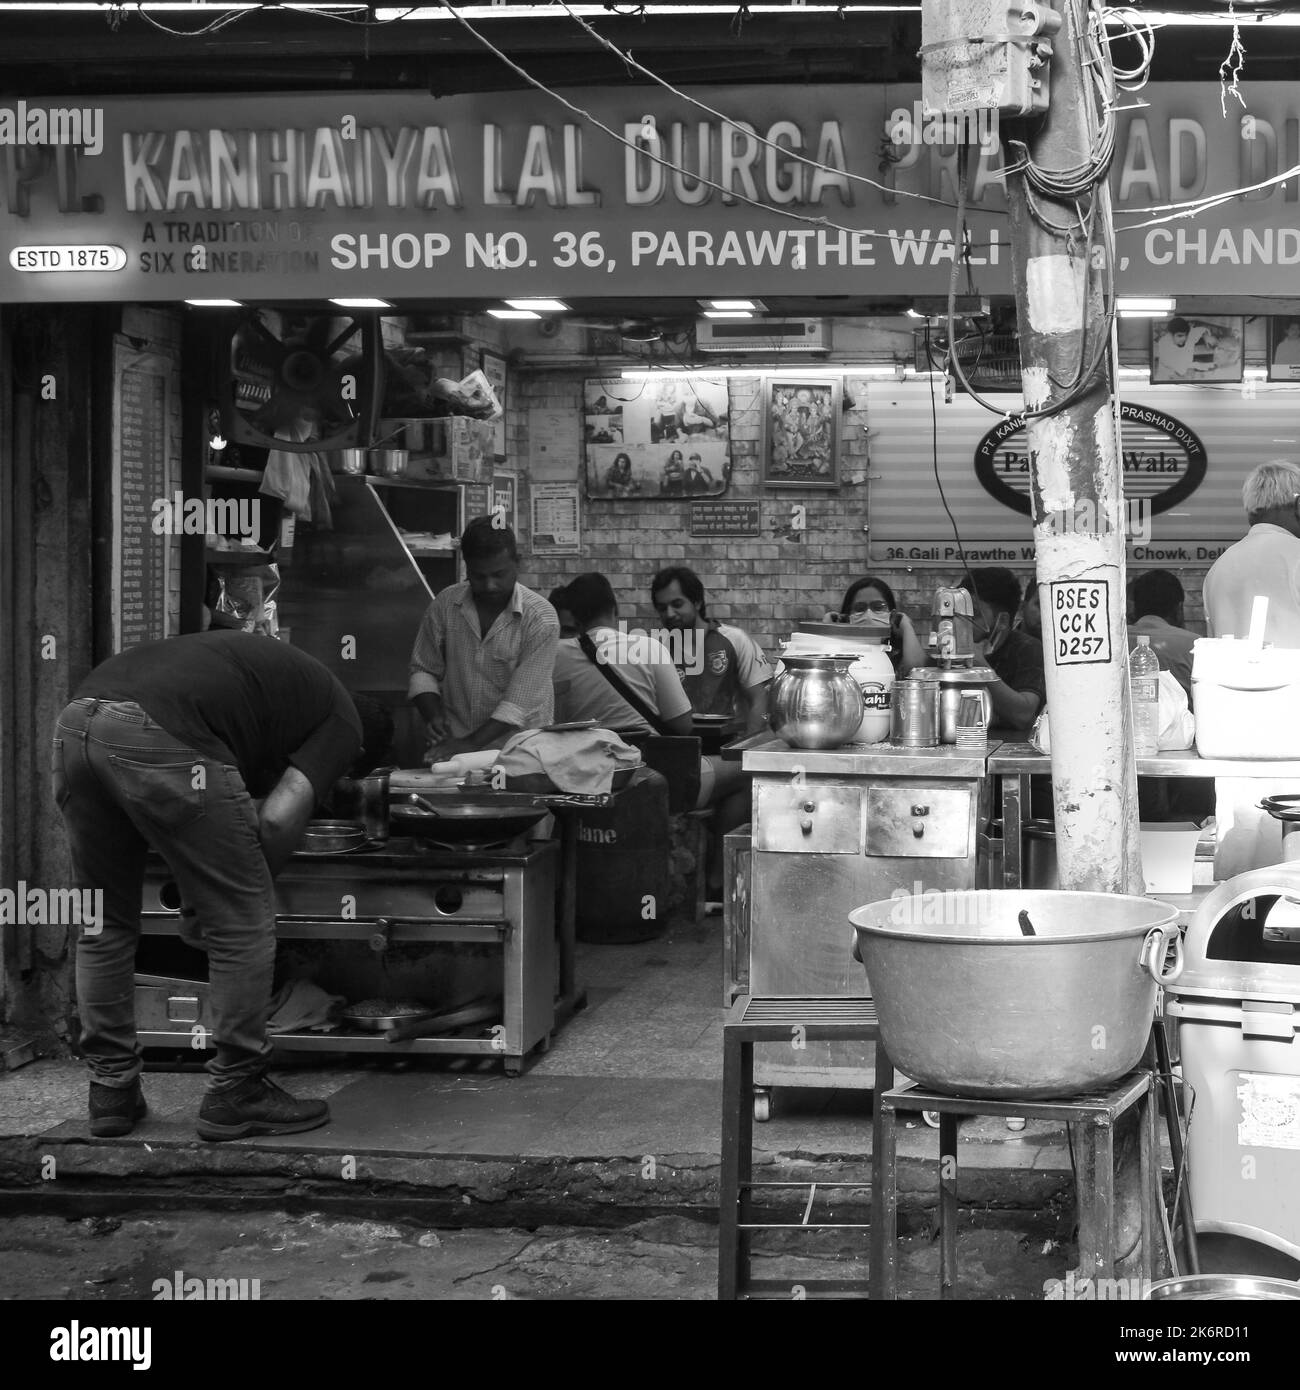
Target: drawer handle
[918, 830]
[805, 824]
[920, 810]
[379, 937]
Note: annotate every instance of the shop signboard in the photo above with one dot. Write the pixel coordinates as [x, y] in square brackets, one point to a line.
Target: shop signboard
[1185, 457]
[774, 189]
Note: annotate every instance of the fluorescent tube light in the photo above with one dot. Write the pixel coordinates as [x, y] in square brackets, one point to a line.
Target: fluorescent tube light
[544, 306]
[216, 303]
[731, 305]
[1144, 304]
[362, 303]
[728, 314]
[514, 314]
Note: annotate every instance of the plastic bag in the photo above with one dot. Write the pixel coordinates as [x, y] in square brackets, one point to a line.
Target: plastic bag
[1177, 722]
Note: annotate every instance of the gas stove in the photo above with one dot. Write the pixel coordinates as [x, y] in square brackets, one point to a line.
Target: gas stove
[405, 918]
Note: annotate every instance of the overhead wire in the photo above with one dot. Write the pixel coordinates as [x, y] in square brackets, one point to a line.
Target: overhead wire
[823, 223]
[785, 150]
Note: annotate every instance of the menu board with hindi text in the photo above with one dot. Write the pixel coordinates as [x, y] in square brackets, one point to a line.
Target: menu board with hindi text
[140, 473]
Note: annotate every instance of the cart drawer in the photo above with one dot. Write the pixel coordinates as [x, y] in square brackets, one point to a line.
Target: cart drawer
[920, 822]
[793, 818]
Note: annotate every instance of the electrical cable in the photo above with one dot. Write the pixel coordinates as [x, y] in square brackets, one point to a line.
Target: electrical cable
[712, 111]
[934, 455]
[822, 223]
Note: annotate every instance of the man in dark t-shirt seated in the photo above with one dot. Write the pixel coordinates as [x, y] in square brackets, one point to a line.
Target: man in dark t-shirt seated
[1017, 659]
[165, 747]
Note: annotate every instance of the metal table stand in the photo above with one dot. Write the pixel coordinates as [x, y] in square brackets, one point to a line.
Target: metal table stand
[1095, 1115]
[751, 1021]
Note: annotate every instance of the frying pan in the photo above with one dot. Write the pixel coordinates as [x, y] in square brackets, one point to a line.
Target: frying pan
[466, 820]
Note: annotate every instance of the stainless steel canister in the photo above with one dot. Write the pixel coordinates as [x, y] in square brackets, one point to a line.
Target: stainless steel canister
[915, 714]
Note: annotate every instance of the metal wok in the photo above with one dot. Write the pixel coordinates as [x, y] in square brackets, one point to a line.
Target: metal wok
[466, 820]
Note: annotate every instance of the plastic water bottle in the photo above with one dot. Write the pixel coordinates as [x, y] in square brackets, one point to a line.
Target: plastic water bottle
[1144, 683]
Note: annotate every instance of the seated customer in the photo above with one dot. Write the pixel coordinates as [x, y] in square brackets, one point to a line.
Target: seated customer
[568, 628]
[1158, 614]
[1017, 660]
[870, 602]
[640, 667]
[1030, 621]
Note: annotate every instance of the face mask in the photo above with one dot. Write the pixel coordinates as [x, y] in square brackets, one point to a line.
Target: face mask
[866, 618]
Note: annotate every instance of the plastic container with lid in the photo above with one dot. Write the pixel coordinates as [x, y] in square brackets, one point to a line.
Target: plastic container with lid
[872, 668]
[1237, 1009]
[1245, 699]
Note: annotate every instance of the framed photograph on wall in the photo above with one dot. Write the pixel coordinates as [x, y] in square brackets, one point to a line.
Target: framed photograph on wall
[801, 431]
[1197, 347]
[1284, 348]
[657, 437]
[493, 366]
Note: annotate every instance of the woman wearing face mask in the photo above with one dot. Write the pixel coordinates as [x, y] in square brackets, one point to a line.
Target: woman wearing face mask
[870, 603]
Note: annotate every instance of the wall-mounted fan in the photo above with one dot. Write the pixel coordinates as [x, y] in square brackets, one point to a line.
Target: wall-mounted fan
[287, 368]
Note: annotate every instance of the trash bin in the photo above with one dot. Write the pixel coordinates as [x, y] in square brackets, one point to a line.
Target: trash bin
[1237, 1010]
[622, 864]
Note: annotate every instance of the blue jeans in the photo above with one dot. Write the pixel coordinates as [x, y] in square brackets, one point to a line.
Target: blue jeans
[124, 785]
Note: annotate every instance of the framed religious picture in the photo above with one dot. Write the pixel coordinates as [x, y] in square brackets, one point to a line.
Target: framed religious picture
[801, 429]
[1284, 348]
[493, 366]
[658, 437]
[1197, 347]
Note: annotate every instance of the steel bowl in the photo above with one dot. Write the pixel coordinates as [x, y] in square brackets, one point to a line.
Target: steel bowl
[332, 837]
[389, 463]
[970, 1006]
[1227, 1287]
[351, 461]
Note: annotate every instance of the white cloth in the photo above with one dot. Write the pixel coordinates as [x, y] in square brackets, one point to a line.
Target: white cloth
[581, 761]
[1265, 561]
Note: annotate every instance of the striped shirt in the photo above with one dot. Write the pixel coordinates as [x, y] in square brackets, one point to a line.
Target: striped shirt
[505, 675]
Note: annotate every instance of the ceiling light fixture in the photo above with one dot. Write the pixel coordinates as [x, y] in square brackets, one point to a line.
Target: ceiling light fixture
[514, 314]
[362, 303]
[731, 305]
[215, 303]
[542, 306]
[728, 314]
[1144, 304]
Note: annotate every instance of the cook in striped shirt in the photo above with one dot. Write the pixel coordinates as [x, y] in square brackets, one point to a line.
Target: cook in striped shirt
[483, 657]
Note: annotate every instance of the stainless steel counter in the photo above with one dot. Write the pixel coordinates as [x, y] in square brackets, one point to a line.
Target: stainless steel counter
[1021, 759]
[1015, 763]
[865, 760]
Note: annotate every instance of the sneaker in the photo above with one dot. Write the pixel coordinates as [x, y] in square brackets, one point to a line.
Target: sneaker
[114, 1110]
[257, 1106]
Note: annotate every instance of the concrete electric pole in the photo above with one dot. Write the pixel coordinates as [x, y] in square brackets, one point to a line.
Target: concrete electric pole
[1056, 155]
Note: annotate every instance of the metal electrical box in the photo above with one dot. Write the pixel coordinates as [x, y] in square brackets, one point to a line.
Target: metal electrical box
[986, 55]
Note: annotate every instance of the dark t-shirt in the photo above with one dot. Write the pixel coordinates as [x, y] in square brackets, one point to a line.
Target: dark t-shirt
[242, 699]
[1018, 662]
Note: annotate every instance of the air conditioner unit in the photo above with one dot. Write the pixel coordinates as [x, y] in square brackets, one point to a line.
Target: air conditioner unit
[763, 335]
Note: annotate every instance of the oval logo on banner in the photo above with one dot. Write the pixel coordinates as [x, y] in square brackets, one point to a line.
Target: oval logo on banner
[1164, 461]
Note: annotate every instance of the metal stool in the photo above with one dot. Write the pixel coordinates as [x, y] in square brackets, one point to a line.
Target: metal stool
[751, 1021]
[1096, 1115]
